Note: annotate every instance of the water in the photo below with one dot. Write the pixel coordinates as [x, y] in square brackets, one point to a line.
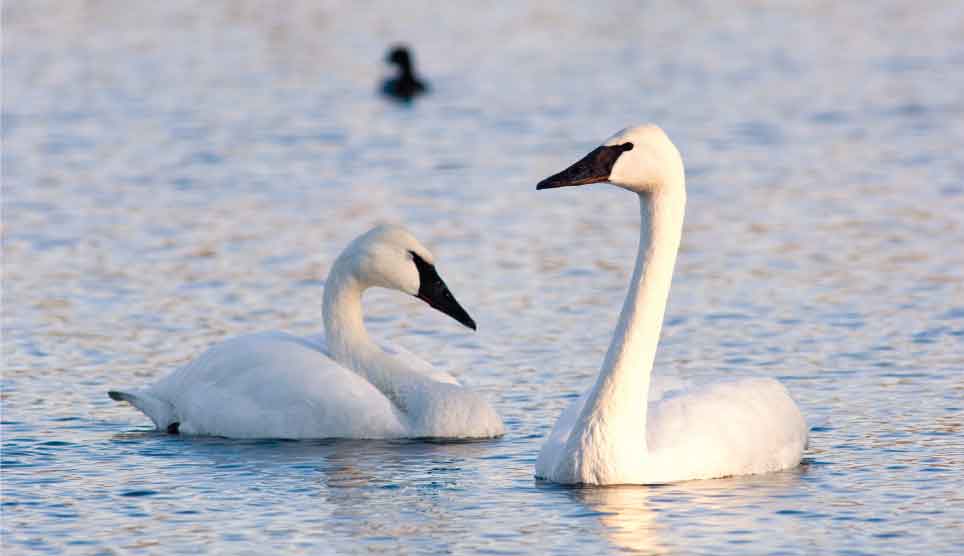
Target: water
[177, 174]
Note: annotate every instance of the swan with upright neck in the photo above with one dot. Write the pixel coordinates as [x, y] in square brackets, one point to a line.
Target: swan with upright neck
[338, 385]
[619, 432]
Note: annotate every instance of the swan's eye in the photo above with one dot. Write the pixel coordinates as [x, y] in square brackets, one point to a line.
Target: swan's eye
[626, 147]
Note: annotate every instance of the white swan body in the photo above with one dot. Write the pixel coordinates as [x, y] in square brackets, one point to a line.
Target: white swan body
[341, 385]
[619, 432]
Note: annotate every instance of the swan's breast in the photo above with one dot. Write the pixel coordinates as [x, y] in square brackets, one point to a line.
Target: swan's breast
[442, 410]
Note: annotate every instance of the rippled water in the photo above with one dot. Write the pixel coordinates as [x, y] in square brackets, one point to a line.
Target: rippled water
[177, 174]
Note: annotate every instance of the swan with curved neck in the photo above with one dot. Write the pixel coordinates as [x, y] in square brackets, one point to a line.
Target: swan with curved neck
[616, 433]
[339, 385]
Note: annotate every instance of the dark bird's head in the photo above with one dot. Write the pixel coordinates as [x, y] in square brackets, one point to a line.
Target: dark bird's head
[401, 57]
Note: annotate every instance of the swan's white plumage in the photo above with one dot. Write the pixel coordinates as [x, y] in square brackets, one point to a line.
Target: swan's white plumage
[276, 385]
[731, 427]
[629, 429]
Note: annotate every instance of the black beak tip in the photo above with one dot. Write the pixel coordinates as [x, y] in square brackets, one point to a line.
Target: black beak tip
[432, 290]
[447, 304]
[461, 315]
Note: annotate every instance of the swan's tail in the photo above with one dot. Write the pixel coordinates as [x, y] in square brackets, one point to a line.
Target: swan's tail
[160, 411]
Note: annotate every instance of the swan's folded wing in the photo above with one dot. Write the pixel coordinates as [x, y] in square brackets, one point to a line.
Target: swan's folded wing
[416, 363]
[407, 358]
[276, 386]
[732, 427]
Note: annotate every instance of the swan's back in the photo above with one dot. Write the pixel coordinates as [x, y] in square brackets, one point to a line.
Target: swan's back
[274, 385]
[733, 427]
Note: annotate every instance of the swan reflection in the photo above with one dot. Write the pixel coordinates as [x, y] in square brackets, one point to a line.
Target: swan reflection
[626, 514]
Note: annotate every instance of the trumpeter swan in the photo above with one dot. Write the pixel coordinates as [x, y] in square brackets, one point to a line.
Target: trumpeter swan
[342, 384]
[615, 433]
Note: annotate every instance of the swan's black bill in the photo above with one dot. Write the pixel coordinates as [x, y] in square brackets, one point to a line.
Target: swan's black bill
[432, 290]
[595, 167]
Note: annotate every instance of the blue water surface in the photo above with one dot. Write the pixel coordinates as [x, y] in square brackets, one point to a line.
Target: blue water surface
[177, 173]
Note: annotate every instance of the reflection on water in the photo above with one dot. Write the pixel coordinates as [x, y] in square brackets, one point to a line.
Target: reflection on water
[639, 519]
[176, 173]
[626, 516]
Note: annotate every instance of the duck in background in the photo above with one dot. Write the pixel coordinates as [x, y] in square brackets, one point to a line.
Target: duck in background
[406, 85]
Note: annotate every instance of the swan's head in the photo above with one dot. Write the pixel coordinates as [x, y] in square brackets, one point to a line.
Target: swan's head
[641, 159]
[390, 257]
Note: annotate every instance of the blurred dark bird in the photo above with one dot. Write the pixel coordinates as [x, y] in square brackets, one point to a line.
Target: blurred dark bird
[406, 85]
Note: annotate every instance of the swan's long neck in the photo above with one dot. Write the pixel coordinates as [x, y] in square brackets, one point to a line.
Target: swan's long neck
[347, 339]
[345, 331]
[619, 399]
